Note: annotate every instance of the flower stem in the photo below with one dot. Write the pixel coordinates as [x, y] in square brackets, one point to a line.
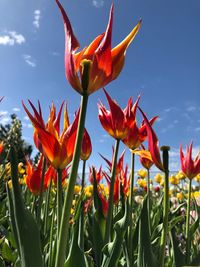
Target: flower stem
[165, 150]
[81, 232]
[41, 192]
[64, 227]
[187, 233]
[148, 201]
[59, 199]
[111, 193]
[46, 212]
[131, 202]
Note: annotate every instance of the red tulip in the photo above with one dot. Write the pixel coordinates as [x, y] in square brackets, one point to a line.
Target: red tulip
[104, 64]
[145, 157]
[135, 135]
[57, 147]
[86, 148]
[1, 147]
[113, 121]
[99, 175]
[34, 176]
[152, 143]
[120, 162]
[189, 166]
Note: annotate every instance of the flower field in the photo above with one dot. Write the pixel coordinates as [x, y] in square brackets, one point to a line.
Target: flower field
[52, 216]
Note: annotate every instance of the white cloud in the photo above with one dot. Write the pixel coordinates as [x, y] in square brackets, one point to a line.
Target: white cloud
[191, 108]
[16, 109]
[4, 118]
[26, 118]
[27, 125]
[98, 3]
[29, 60]
[37, 16]
[11, 38]
[197, 129]
[3, 113]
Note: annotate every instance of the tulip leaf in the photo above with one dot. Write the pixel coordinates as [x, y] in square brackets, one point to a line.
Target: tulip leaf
[179, 258]
[26, 227]
[76, 255]
[113, 250]
[7, 252]
[147, 254]
[98, 224]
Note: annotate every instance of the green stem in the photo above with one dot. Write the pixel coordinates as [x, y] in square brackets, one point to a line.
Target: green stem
[187, 233]
[59, 199]
[64, 227]
[131, 202]
[46, 212]
[111, 193]
[41, 193]
[52, 242]
[165, 150]
[148, 201]
[81, 232]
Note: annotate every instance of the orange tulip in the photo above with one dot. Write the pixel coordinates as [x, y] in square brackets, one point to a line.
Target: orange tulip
[113, 121]
[99, 174]
[57, 147]
[34, 176]
[120, 162]
[153, 143]
[189, 166]
[86, 148]
[135, 135]
[1, 147]
[103, 63]
[145, 157]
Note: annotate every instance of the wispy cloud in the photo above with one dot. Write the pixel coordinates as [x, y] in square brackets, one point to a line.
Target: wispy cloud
[4, 117]
[11, 38]
[26, 118]
[29, 60]
[37, 17]
[27, 125]
[16, 109]
[98, 3]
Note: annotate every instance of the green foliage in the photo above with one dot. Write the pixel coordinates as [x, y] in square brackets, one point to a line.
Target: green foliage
[12, 134]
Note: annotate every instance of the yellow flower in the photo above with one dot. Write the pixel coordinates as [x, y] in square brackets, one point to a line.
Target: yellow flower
[197, 178]
[158, 178]
[180, 175]
[21, 168]
[142, 173]
[173, 180]
[142, 183]
[170, 193]
[180, 196]
[10, 184]
[196, 194]
[77, 189]
[88, 190]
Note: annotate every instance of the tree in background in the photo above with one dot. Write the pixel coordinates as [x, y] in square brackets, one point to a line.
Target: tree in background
[11, 134]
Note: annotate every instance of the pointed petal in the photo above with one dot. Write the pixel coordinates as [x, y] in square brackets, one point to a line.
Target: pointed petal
[71, 45]
[103, 52]
[118, 52]
[153, 143]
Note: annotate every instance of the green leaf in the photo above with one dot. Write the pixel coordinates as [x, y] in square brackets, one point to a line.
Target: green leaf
[179, 258]
[148, 257]
[76, 255]
[113, 250]
[27, 230]
[7, 252]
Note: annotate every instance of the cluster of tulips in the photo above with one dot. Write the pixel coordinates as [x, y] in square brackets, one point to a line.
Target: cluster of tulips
[49, 219]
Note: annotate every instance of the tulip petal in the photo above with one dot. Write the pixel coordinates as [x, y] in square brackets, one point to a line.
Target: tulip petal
[152, 143]
[71, 45]
[118, 52]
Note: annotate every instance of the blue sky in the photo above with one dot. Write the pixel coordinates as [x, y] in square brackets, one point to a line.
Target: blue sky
[163, 64]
